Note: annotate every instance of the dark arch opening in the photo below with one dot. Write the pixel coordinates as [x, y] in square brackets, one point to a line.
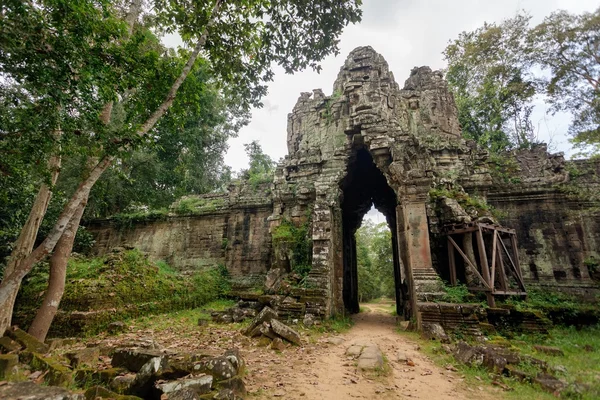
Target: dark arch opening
[363, 187]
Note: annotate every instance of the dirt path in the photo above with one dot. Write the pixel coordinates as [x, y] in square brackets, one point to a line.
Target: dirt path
[323, 371]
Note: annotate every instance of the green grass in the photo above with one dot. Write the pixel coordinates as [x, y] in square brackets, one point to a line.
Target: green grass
[117, 287]
[582, 366]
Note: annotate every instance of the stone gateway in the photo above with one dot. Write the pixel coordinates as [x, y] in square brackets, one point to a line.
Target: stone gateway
[372, 142]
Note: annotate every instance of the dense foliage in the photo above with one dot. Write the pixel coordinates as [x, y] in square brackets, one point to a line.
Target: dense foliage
[498, 71]
[375, 261]
[119, 286]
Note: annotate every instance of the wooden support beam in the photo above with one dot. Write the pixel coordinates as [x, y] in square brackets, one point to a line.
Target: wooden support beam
[501, 270]
[452, 263]
[515, 250]
[464, 256]
[485, 269]
[494, 248]
[514, 267]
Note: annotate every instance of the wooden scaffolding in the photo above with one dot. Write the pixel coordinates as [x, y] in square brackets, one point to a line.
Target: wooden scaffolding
[500, 274]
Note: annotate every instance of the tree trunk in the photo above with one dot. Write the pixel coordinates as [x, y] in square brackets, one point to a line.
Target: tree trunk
[12, 280]
[58, 273]
[26, 239]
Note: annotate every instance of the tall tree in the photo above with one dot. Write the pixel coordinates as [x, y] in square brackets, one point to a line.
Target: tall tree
[241, 39]
[490, 76]
[567, 46]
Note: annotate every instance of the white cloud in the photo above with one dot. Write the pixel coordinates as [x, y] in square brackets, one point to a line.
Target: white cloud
[407, 33]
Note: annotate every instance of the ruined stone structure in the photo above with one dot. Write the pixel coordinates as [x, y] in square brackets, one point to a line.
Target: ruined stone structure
[373, 142]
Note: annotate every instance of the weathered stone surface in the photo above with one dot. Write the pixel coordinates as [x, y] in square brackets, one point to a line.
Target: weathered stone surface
[549, 383]
[220, 368]
[265, 315]
[144, 380]
[88, 356]
[7, 345]
[98, 392]
[134, 359]
[122, 384]
[434, 331]
[235, 385]
[200, 385]
[57, 374]
[117, 327]
[32, 391]
[553, 351]
[286, 332]
[7, 364]
[184, 394]
[26, 340]
[57, 343]
[407, 141]
[370, 358]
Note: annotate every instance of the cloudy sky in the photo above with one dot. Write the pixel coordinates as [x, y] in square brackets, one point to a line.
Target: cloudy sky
[407, 33]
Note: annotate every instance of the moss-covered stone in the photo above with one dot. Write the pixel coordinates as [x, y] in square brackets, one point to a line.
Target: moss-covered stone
[7, 345]
[7, 363]
[88, 356]
[98, 392]
[58, 374]
[27, 341]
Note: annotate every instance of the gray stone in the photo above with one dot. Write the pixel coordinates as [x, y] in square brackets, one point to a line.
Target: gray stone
[220, 368]
[7, 364]
[7, 345]
[286, 332]
[434, 331]
[88, 356]
[277, 344]
[309, 320]
[27, 341]
[370, 358]
[184, 394]
[144, 380]
[201, 385]
[265, 315]
[134, 359]
[553, 351]
[32, 391]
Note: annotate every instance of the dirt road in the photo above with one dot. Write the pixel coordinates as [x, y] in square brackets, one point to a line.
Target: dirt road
[324, 371]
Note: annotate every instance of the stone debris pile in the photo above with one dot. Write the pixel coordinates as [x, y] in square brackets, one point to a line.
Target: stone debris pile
[126, 373]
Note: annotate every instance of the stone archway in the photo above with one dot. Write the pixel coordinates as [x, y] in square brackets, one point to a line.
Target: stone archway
[364, 186]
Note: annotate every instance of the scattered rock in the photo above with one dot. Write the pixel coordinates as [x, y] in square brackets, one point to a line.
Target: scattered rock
[202, 322]
[220, 368]
[133, 359]
[235, 385]
[553, 351]
[88, 356]
[57, 374]
[184, 394]
[370, 358]
[265, 315]
[116, 327]
[354, 350]
[549, 383]
[144, 380]
[26, 340]
[98, 392]
[401, 357]
[7, 345]
[309, 320]
[278, 344]
[122, 383]
[226, 394]
[335, 340]
[265, 329]
[31, 391]
[199, 385]
[285, 332]
[434, 331]
[264, 341]
[7, 364]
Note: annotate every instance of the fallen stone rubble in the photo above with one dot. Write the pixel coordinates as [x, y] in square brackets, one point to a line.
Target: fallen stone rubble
[504, 361]
[130, 373]
[270, 330]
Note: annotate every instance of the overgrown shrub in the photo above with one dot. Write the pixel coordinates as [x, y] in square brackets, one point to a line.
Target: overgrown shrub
[296, 243]
[115, 287]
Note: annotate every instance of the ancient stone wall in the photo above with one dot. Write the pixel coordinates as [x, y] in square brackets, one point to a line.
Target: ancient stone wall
[372, 142]
[230, 229]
